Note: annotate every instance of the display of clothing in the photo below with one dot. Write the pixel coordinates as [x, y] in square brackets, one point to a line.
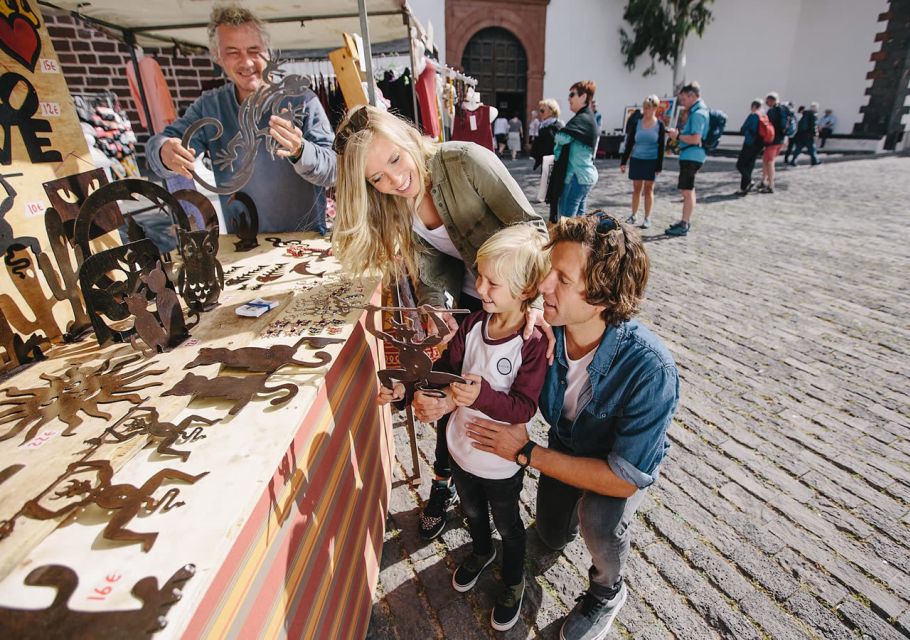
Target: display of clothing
[428, 102]
[157, 94]
[474, 126]
[103, 117]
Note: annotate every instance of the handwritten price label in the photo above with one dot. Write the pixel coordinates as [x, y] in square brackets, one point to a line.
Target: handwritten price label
[39, 440]
[46, 65]
[101, 593]
[51, 109]
[35, 209]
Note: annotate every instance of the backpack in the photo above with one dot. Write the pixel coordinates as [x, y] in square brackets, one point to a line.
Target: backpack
[765, 129]
[717, 120]
[787, 120]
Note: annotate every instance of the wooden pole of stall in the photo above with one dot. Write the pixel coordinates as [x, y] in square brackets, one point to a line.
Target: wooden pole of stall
[367, 50]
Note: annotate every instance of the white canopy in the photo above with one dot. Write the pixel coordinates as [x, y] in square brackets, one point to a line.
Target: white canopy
[293, 24]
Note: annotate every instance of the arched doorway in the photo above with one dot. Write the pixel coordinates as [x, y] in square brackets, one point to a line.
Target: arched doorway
[498, 60]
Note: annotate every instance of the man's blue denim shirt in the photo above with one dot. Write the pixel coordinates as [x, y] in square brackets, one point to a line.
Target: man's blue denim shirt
[626, 407]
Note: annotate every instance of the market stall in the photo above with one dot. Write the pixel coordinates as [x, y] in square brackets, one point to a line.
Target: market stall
[189, 442]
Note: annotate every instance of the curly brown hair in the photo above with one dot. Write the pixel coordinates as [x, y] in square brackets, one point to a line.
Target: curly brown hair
[616, 272]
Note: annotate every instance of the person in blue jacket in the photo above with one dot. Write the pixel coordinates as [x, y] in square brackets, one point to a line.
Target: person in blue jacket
[289, 189]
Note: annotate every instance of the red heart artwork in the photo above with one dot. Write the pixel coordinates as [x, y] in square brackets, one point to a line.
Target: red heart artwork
[19, 38]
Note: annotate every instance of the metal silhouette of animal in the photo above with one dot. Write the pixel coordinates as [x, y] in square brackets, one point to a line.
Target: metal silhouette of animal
[240, 390]
[268, 100]
[200, 278]
[145, 421]
[262, 359]
[59, 622]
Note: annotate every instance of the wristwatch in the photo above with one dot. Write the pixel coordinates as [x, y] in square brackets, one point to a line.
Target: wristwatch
[523, 457]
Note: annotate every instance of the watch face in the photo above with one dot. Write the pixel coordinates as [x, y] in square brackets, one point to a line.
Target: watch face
[522, 459]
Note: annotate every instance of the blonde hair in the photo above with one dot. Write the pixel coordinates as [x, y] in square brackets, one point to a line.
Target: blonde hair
[550, 104]
[651, 100]
[233, 15]
[371, 228]
[516, 256]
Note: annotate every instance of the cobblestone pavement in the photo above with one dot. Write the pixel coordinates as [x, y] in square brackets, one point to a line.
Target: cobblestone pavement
[783, 507]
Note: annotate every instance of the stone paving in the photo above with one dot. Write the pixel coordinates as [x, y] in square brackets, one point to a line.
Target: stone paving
[783, 507]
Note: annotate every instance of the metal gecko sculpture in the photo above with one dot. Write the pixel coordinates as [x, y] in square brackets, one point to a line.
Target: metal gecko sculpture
[59, 622]
[269, 99]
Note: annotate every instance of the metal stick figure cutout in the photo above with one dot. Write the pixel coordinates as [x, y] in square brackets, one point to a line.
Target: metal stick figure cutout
[416, 365]
[123, 501]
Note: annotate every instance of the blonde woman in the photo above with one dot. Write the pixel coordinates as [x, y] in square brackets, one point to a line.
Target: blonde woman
[399, 193]
[645, 145]
[548, 113]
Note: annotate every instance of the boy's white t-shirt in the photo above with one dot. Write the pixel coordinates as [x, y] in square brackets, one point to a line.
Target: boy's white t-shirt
[498, 363]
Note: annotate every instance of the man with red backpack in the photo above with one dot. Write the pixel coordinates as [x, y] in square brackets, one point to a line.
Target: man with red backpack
[757, 131]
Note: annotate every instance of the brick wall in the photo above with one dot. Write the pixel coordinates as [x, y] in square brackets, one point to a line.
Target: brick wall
[93, 61]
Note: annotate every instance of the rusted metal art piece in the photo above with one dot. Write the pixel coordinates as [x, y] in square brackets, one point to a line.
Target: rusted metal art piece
[7, 241]
[278, 242]
[68, 194]
[79, 390]
[246, 226]
[10, 471]
[40, 306]
[19, 351]
[268, 100]
[106, 297]
[272, 274]
[205, 206]
[416, 365]
[260, 359]
[163, 329]
[145, 421]
[125, 190]
[240, 390]
[303, 268]
[67, 287]
[122, 502]
[59, 622]
[201, 276]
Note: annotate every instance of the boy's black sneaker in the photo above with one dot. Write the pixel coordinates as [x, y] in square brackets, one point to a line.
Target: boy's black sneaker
[465, 576]
[433, 518]
[508, 607]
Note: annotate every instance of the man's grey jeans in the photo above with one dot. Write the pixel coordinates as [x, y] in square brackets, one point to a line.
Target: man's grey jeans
[604, 523]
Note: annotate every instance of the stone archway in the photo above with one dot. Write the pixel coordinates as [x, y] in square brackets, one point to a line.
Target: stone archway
[526, 20]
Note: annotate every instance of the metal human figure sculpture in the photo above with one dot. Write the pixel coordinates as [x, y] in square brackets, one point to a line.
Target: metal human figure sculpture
[242, 149]
[416, 365]
[145, 421]
[123, 501]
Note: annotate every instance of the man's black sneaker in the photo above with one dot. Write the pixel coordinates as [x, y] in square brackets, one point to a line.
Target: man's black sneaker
[465, 576]
[592, 617]
[433, 518]
[508, 607]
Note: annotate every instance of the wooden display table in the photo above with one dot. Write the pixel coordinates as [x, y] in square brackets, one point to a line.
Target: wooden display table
[285, 530]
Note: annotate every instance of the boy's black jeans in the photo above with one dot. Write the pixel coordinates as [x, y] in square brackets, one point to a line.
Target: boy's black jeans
[479, 496]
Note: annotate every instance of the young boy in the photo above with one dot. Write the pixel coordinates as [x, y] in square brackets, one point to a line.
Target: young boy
[505, 375]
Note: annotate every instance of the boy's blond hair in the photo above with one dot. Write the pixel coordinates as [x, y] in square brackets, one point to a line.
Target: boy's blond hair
[516, 257]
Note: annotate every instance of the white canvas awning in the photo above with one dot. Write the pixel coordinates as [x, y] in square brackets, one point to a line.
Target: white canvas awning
[293, 24]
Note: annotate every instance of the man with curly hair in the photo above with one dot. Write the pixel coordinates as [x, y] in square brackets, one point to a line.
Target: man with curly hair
[289, 189]
[608, 397]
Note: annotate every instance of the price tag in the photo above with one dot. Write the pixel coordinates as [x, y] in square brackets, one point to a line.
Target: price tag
[46, 65]
[472, 122]
[35, 209]
[51, 109]
[101, 593]
[40, 439]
